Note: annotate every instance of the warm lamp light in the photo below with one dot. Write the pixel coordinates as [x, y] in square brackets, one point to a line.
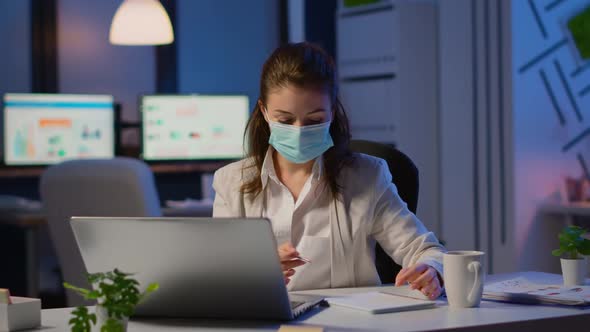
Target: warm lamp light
[141, 22]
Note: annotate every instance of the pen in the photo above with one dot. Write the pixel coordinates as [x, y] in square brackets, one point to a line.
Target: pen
[303, 259]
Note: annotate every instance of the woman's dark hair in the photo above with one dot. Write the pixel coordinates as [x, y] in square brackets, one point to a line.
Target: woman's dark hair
[303, 65]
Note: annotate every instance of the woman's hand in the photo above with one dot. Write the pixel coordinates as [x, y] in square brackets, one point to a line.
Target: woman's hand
[421, 277]
[288, 258]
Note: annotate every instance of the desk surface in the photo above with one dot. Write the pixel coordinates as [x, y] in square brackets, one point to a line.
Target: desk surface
[490, 316]
[23, 218]
[36, 217]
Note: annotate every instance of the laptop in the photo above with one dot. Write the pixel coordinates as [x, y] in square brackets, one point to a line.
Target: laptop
[206, 267]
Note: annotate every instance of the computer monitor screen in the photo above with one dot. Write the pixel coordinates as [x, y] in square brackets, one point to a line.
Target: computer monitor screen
[193, 127]
[41, 129]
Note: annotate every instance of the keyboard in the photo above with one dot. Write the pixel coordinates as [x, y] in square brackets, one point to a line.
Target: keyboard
[300, 307]
[295, 304]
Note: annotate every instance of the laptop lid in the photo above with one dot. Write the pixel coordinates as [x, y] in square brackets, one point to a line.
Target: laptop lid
[215, 268]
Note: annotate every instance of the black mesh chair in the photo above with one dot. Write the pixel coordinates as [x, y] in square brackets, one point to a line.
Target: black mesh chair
[405, 178]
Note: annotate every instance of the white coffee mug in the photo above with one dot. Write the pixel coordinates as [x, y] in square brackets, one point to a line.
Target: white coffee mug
[464, 276]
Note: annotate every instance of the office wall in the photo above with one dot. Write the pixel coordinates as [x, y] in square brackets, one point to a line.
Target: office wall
[15, 59]
[223, 44]
[456, 124]
[88, 63]
[551, 110]
[296, 20]
[475, 129]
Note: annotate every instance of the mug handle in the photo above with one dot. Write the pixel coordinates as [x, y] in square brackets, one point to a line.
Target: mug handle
[474, 267]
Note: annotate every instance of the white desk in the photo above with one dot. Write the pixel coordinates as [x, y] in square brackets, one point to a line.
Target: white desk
[490, 316]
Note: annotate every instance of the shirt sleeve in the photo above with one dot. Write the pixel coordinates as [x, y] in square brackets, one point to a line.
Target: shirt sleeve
[400, 233]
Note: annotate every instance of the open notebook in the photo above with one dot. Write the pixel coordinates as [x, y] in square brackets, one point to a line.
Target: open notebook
[380, 302]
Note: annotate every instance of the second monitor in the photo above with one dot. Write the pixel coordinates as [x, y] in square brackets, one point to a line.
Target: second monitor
[193, 127]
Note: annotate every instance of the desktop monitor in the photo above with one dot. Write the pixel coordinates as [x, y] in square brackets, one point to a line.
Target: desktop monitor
[42, 129]
[193, 127]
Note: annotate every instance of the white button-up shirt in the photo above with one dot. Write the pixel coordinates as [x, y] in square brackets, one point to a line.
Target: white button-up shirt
[368, 209]
[305, 222]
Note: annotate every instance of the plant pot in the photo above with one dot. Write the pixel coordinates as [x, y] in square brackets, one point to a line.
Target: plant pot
[102, 316]
[574, 271]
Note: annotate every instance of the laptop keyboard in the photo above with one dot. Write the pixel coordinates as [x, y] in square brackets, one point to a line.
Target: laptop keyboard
[295, 304]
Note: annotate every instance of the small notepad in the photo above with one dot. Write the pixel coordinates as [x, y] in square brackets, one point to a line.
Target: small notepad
[379, 303]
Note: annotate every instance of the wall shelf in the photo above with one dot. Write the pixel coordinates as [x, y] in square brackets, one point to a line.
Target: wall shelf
[578, 209]
[569, 210]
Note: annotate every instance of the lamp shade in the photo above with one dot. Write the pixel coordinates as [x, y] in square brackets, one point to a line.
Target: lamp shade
[141, 22]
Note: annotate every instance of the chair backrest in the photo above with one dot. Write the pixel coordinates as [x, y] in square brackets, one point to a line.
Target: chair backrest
[121, 187]
[406, 178]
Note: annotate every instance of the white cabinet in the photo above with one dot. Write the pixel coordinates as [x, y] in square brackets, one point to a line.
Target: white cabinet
[373, 108]
[387, 55]
[367, 43]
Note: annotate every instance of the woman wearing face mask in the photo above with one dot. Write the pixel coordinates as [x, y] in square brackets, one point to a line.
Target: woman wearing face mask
[325, 203]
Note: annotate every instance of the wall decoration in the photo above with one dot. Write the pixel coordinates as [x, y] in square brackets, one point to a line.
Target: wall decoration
[549, 64]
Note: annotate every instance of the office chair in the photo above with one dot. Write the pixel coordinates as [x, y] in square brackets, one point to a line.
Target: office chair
[405, 177]
[119, 187]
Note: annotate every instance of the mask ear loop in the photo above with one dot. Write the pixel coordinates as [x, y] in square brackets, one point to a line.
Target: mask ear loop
[264, 112]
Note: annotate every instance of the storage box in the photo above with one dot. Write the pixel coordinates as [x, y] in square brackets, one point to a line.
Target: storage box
[23, 313]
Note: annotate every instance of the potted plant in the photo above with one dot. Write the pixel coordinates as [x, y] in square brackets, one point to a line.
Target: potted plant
[573, 246]
[117, 295]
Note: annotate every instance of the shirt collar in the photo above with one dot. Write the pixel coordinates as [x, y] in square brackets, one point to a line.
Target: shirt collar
[268, 168]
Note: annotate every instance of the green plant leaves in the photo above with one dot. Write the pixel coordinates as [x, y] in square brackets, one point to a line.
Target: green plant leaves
[572, 243]
[81, 320]
[81, 291]
[112, 325]
[558, 252]
[150, 289]
[117, 292]
[92, 295]
[584, 247]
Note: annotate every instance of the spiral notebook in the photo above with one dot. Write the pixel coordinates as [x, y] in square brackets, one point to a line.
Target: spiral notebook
[379, 303]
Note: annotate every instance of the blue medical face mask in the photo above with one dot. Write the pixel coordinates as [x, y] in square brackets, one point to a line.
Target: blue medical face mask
[300, 144]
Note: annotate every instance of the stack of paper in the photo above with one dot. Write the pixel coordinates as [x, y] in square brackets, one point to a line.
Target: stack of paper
[520, 290]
